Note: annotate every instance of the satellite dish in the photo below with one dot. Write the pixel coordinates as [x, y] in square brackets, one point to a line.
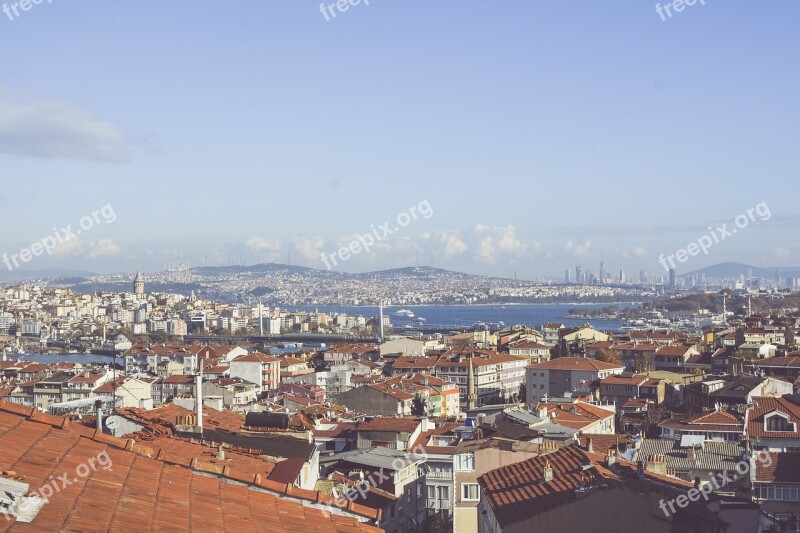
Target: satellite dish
[113, 422]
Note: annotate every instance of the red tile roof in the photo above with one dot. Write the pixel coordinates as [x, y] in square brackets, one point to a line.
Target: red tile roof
[574, 415]
[778, 468]
[138, 493]
[721, 417]
[408, 425]
[672, 351]
[168, 415]
[765, 405]
[517, 492]
[529, 345]
[179, 379]
[256, 357]
[582, 364]
[617, 379]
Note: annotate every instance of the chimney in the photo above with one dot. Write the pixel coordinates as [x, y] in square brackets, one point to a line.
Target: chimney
[691, 453]
[657, 464]
[547, 475]
[98, 409]
[589, 447]
[221, 453]
[611, 458]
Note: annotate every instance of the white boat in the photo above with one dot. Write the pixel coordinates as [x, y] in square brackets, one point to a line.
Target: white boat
[405, 312]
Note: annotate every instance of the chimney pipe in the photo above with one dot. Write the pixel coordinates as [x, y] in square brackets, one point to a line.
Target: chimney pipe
[548, 473]
[98, 409]
[589, 447]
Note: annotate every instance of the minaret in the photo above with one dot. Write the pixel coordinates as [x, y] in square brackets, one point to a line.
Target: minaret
[724, 309]
[380, 318]
[260, 319]
[472, 396]
[749, 307]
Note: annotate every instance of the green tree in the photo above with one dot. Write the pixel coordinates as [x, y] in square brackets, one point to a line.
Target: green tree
[419, 406]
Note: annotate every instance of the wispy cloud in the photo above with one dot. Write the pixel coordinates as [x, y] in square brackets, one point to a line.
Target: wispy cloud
[56, 129]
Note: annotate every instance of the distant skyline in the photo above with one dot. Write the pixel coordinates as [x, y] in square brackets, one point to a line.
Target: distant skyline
[543, 135]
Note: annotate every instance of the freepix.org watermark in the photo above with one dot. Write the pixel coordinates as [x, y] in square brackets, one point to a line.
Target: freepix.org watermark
[59, 236]
[54, 484]
[14, 11]
[329, 11]
[676, 6]
[365, 242]
[717, 482]
[374, 480]
[715, 236]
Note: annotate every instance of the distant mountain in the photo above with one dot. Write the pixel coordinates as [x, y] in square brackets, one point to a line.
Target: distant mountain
[423, 272]
[733, 270]
[21, 275]
[262, 268]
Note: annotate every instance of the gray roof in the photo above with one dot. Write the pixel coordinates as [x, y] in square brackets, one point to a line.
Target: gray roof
[713, 456]
[378, 457]
[524, 417]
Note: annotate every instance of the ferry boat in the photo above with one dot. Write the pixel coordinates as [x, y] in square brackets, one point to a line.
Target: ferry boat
[405, 312]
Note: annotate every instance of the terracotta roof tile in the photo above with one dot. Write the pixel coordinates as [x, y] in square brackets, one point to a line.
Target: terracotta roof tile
[140, 493]
[582, 364]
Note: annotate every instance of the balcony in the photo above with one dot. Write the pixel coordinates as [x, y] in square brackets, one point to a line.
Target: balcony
[445, 476]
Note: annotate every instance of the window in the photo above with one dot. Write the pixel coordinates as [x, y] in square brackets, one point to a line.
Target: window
[431, 492]
[777, 422]
[470, 492]
[444, 493]
[465, 461]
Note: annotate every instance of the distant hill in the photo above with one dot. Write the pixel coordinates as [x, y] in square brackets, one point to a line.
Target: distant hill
[423, 272]
[21, 275]
[262, 268]
[733, 270]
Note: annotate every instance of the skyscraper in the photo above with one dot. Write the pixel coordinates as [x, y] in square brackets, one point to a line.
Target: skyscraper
[567, 276]
[672, 277]
[578, 274]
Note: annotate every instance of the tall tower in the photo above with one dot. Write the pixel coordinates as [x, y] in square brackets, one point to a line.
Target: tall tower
[472, 394]
[138, 284]
[724, 309]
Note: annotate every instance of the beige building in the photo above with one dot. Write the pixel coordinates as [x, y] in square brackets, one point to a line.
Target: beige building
[472, 459]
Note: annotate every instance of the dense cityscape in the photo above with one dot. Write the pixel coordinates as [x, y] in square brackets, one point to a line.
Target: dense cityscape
[418, 431]
[399, 267]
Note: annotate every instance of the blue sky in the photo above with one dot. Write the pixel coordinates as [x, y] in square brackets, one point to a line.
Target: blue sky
[542, 134]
